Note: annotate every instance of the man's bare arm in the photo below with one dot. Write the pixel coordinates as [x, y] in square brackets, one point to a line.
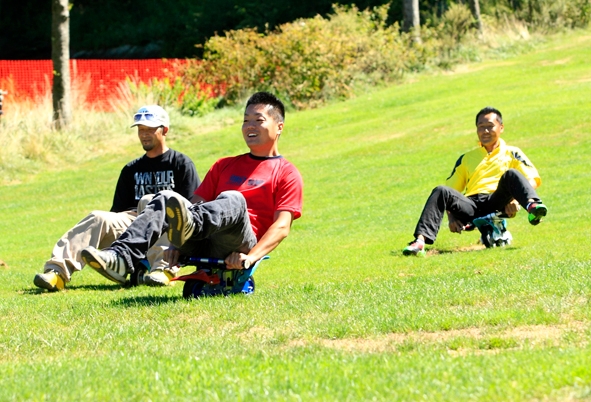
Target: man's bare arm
[278, 231]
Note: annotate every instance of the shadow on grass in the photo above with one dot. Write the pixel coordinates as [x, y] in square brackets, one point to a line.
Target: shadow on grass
[35, 291]
[151, 300]
[96, 287]
[468, 249]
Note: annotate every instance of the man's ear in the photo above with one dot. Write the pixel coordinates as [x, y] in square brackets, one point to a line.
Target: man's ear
[164, 130]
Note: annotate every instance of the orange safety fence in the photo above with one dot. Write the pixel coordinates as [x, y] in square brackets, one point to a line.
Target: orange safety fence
[32, 78]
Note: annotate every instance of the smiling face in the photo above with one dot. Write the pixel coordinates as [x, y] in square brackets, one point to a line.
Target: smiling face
[489, 130]
[261, 131]
[152, 139]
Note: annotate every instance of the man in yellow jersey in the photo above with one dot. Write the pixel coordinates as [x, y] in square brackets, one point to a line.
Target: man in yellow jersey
[493, 177]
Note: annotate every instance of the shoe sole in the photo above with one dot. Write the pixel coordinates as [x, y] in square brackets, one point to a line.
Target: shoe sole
[91, 258]
[149, 280]
[538, 214]
[176, 212]
[40, 282]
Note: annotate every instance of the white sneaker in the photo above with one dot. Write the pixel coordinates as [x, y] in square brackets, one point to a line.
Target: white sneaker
[158, 278]
[180, 221]
[107, 263]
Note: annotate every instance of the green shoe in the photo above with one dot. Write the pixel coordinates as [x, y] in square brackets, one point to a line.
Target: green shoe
[535, 212]
[415, 247]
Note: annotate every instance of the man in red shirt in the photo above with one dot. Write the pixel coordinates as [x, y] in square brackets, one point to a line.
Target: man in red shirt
[242, 211]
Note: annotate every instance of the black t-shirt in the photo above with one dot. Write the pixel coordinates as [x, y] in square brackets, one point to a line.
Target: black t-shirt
[170, 171]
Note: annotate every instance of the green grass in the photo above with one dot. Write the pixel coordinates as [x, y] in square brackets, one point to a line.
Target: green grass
[339, 313]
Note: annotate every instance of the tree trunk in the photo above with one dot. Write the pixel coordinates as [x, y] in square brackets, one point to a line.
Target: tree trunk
[60, 55]
[475, 8]
[411, 21]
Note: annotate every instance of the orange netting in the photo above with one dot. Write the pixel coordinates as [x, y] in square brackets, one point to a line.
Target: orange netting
[31, 78]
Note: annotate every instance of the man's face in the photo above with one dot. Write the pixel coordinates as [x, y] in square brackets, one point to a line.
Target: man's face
[259, 129]
[489, 130]
[150, 137]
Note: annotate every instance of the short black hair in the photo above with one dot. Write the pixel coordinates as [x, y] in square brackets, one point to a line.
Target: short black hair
[277, 110]
[487, 110]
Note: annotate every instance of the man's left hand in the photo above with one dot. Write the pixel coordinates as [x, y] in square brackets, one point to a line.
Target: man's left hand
[236, 260]
[512, 208]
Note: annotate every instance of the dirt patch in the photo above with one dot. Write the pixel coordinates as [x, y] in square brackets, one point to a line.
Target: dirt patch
[472, 247]
[556, 62]
[519, 336]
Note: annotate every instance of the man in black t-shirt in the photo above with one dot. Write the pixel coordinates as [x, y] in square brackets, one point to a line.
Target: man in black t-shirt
[160, 168]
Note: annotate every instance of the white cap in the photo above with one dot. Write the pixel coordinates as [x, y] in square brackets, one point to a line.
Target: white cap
[151, 116]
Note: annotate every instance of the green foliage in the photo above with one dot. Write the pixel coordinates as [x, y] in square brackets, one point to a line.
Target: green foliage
[542, 15]
[308, 61]
[189, 99]
[457, 22]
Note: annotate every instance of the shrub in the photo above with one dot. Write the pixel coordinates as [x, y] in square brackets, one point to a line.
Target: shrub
[190, 99]
[309, 61]
[543, 15]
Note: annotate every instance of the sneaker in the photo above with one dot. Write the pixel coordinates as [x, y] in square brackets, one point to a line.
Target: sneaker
[107, 263]
[158, 278]
[180, 221]
[139, 272]
[415, 247]
[535, 212]
[49, 280]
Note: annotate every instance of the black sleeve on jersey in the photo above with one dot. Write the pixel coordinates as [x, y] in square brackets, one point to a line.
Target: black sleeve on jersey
[124, 197]
[458, 163]
[188, 179]
[520, 158]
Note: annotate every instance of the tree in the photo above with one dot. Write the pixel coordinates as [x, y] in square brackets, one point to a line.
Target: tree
[60, 55]
[411, 21]
[475, 9]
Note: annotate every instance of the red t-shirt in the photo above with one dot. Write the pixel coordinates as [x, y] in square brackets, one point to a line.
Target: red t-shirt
[268, 185]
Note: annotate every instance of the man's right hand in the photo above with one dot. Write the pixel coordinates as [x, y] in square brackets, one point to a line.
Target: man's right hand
[455, 226]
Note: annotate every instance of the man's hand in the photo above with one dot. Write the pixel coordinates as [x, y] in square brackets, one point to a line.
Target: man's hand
[512, 208]
[171, 254]
[236, 260]
[455, 226]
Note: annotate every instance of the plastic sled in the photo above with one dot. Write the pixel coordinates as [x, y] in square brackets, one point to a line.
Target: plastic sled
[212, 278]
[493, 230]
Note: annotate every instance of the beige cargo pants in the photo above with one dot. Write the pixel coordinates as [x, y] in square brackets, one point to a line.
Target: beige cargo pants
[99, 229]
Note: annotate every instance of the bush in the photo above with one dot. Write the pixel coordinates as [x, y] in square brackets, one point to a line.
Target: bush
[457, 36]
[189, 99]
[543, 15]
[309, 61]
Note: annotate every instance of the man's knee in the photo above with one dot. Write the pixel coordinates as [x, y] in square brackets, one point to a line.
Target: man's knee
[233, 196]
[165, 193]
[141, 205]
[441, 190]
[161, 198]
[513, 173]
[101, 216]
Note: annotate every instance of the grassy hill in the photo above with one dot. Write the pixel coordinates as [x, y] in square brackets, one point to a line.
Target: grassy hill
[339, 313]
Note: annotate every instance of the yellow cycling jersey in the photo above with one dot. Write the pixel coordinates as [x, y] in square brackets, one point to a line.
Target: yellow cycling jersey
[478, 172]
